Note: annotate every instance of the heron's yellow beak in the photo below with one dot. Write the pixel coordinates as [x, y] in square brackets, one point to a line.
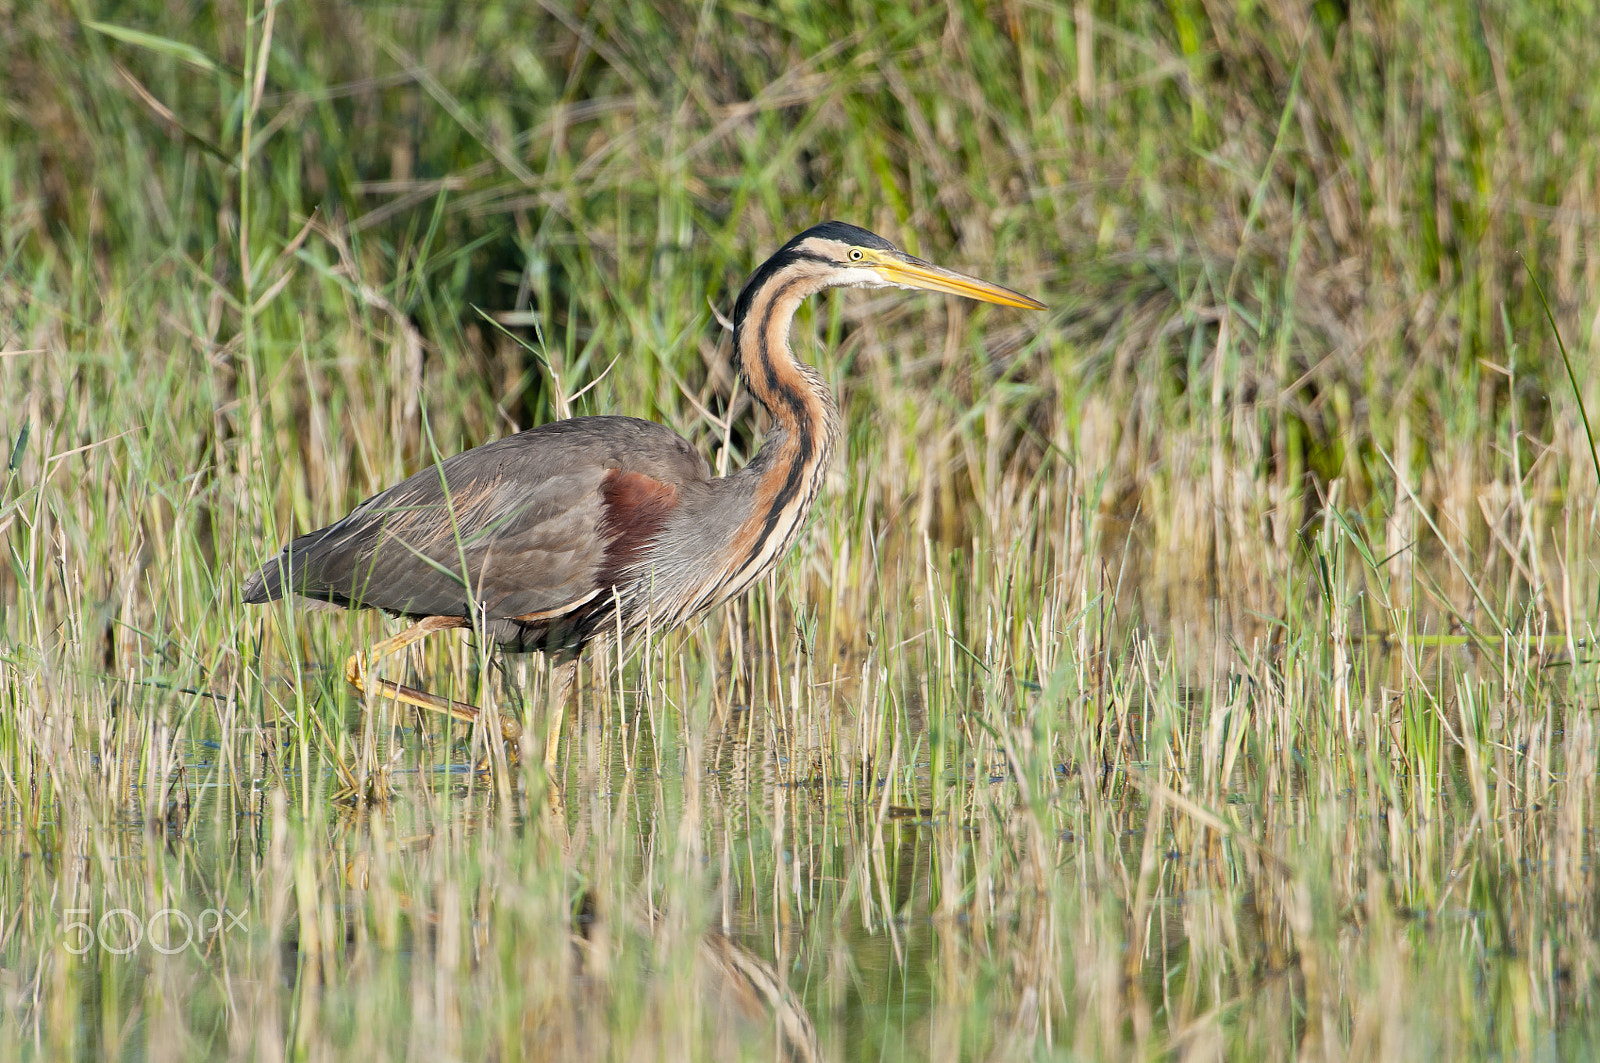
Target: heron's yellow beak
[896, 267]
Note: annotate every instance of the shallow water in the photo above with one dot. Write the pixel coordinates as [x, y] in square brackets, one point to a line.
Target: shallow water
[733, 876]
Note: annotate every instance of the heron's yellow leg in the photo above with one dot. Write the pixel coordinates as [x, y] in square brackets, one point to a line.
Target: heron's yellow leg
[355, 672]
[562, 678]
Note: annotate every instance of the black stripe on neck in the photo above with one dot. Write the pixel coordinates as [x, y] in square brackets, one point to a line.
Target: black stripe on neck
[793, 398]
[765, 273]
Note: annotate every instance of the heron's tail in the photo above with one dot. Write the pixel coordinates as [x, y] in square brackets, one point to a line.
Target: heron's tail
[266, 585]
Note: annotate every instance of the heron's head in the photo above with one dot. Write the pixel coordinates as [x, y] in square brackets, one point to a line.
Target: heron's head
[838, 255]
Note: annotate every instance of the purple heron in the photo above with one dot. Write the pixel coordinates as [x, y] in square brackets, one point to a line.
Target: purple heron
[593, 526]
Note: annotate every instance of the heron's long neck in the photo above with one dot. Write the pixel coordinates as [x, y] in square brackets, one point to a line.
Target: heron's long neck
[785, 475]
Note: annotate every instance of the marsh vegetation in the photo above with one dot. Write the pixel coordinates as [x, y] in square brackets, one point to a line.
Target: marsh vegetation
[1204, 669]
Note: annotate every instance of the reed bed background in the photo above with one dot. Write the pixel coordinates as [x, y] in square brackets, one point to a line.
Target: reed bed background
[1204, 669]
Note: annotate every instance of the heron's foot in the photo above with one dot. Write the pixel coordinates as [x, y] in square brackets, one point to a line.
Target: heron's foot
[355, 672]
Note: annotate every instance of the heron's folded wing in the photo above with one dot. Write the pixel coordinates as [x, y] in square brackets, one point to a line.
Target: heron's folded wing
[483, 543]
[516, 527]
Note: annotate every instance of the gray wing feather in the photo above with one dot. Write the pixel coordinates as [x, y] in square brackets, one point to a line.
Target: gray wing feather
[511, 527]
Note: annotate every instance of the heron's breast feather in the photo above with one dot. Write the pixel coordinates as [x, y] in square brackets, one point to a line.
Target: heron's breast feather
[636, 508]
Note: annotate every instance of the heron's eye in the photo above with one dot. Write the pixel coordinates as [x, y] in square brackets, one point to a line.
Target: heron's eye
[855, 254]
